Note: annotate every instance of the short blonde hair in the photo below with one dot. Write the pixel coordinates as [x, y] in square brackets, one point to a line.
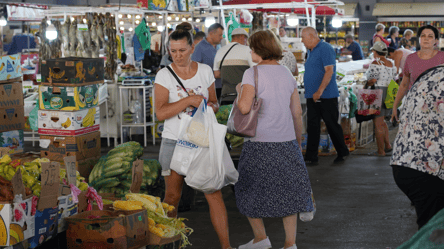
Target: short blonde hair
[408, 32]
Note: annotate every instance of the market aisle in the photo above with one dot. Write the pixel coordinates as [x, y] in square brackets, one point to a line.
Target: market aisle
[358, 206]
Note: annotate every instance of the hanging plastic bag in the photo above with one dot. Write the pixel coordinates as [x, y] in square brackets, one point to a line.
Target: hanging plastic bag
[197, 131]
[213, 168]
[353, 103]
[34, 117]
[143, 34]
[391, 94]
[231, 23]
[246, 18]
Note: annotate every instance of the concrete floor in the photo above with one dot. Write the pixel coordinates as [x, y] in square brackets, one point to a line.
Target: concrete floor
[359, 206]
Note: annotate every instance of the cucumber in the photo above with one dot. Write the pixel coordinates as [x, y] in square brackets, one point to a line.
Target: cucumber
[106, 181]
[111, 184]
[116, 172]
[126, 184]
[112, 167]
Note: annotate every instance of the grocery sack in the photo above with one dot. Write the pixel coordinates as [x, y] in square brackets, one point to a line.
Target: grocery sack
[213, 168]
[197, 131]
[369, 101]
[143, 35]
[185, 152]
[391, 94]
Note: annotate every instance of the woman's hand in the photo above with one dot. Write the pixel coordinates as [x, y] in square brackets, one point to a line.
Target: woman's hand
[394, 115]
[195, 100]
[238, 88]
[214, 106]
[371, 82]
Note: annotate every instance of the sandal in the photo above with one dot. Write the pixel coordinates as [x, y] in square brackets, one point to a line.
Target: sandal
[388, 150]
[375, 153]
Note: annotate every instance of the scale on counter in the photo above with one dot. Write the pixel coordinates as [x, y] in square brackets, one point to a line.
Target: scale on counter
[138, 81]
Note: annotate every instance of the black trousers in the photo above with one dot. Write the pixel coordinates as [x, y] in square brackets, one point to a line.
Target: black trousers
[425, 191]
[327, 109]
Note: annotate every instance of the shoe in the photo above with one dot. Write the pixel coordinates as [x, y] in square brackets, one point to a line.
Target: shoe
[263, 244]
[292, 247]
[388, 150]
[311, 162]
[340, 159]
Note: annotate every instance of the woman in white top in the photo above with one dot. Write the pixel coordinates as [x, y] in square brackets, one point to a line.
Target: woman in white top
[289, 61]
[379, 74]
[172, 102]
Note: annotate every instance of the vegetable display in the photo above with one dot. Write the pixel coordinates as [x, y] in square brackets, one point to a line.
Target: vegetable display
[222, 117]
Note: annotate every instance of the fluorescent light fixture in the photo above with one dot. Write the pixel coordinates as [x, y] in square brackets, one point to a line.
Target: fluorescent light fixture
[51, 32]
[336, 22]
[209, 20]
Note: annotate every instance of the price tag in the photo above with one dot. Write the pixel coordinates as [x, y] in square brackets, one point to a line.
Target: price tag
[137, 176]
[4, 151]
[17, 184]
[50, 185]
[82, 27]
[71, 166]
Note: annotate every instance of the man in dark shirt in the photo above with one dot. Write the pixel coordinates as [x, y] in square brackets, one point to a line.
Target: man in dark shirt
[353, 48]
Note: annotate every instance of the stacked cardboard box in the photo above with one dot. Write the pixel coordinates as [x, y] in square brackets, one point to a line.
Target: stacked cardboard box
[69, 116]
[12, 119]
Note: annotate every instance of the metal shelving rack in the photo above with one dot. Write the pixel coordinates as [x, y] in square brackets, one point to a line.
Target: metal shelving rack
[145, 123]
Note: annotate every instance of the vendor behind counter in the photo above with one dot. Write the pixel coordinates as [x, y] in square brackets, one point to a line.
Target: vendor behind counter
[353, 48]
[20, 42]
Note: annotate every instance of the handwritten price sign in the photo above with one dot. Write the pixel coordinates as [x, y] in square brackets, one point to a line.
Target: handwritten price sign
[137, 176]
[50, 185]
[71, 166]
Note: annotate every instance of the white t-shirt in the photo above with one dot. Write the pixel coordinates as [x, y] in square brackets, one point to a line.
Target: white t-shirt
[240, 55]
[198, 85]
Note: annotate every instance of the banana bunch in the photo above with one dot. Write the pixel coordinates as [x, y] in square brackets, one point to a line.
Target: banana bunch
[88, 120]
[79, 99]
[67, 123]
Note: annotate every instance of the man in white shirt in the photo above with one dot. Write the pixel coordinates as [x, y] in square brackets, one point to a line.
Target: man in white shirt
[156, 42]
[237, 60]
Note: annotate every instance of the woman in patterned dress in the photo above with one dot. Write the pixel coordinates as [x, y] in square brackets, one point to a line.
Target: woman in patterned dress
[273, 180]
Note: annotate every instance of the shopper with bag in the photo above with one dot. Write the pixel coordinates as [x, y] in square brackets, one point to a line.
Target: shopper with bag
[419, 62]
[273, 180]
[179, 89]
[379, 74]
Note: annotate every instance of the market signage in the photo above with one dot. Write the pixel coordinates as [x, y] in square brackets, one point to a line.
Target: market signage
[25, 12]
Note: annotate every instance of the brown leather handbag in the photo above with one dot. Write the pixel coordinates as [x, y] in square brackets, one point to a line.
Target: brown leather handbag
[245, 125]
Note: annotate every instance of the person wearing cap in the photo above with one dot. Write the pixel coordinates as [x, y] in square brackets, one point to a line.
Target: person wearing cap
[353, 48]
[379, 74]
[235, 58]
[321, 93]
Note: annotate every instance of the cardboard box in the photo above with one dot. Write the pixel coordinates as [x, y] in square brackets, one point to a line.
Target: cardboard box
[12, 119]
[156, 240]
[46, 224]
[67, 208]
[10, 68]
[11, 95]
[68, 98]
[83, 147]
[85, 166]
[346, 126]
[13, 231]
[60, 123]
[107, 232]
[12, 139]
[72, 71]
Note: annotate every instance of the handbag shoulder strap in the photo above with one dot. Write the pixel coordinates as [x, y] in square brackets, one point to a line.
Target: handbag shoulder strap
[177, 78]
[222, 61]
[255, 81]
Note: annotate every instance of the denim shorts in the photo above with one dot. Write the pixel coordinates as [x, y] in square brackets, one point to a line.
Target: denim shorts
[167, 147]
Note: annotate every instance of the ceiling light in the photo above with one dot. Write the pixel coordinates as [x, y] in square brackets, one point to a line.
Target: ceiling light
[160, 17]
[48, 22]
[190, 19]
[292, 19]
[121, 22]
[137, 21]
[51, 32]
[177, 18]
[137, 17]
[168, 25]
[122, 28]
[129, 16]
[336, 22]
[3, 21]
[84, 20]
[154, 24]
[209, 20]
[184, 19]
[120, 15]
[130, 29]
[197, 20]
[169, 18]
[161, 28]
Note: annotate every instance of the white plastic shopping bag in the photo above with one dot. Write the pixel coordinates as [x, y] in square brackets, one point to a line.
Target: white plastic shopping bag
[197, 130]
[185, 152]
[212, 169]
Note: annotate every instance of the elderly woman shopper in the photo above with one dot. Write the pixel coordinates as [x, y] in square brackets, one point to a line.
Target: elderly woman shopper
[379, 74]
[419, 62]
[379, 35]
[418, 150]
[273, 180]
[393, 37]
[173, 102]
[405, 40]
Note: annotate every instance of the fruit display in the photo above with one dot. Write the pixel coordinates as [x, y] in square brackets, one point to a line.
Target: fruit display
[113, 172]
[31, 176]
[222, 117]
[159, 223]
